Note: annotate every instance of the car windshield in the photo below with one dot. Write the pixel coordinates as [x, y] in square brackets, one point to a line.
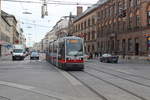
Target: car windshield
[18, 51]
[106, 55]
[34, 53]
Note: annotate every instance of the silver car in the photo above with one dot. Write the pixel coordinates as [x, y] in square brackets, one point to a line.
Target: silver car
[34, 56]
[108, 58]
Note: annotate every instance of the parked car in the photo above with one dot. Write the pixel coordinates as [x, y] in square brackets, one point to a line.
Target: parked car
[108, 58]
[34, 55]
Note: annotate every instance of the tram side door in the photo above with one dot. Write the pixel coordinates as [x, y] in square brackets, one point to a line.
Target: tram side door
[61, 53]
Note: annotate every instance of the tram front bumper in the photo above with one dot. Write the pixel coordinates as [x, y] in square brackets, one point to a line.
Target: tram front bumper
[74, 66]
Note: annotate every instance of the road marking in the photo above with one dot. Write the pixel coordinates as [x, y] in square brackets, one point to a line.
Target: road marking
[15, 85]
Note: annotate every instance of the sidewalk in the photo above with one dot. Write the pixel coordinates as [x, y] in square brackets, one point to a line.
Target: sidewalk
[126, 61]
[6, 57]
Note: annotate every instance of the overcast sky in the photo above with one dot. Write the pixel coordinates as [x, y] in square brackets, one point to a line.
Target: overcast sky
[33, 25]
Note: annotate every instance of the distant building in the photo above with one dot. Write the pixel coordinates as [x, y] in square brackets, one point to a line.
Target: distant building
[5, 36]
[13, 22]
[61, 27]
[10, 33]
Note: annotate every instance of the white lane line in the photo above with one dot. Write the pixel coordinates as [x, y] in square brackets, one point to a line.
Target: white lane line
[72, 80]
[15, 85]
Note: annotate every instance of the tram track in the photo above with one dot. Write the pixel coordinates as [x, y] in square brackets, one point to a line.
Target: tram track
[107, 82]
[90, 88]
[133, 81]
[133, 75]
[4, 98]
[32, 91]
[119, 87]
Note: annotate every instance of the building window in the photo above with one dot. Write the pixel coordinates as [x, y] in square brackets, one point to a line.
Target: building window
[89, 22]
[120, 7]
[93, 20]
[125, 4]
[130, 22]
[111, 10]
[116, 8]
[138, 2]
[85, 24]
[98, 45]
[88, 48]
[93, 49]
[102, 14]
[108, 12]
[148, 19]
[118, 45]
[93, 35]
[131, 3]
[138, 21]
[81, 26]
[129, 44]
[105, 12]
[89, 36]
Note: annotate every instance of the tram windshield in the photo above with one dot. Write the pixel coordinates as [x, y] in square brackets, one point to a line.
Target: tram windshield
[74, 48]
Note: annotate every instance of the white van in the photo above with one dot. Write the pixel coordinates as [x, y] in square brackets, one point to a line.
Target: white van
[18, 52]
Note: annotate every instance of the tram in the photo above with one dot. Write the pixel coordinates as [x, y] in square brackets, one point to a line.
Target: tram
[67, 53]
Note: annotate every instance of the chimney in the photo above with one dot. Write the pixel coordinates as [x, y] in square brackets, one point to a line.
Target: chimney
[79, 10]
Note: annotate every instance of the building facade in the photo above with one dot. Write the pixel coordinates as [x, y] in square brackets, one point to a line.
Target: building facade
[121, 26]
[116, 27]
[61, 27]
[5, 34]
[9, 33]
[85, 26]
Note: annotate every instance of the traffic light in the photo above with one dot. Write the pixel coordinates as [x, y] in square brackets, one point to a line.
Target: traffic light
[42, 12]
[124, 13]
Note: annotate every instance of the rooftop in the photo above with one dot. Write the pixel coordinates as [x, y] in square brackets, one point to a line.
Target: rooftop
[94, 6]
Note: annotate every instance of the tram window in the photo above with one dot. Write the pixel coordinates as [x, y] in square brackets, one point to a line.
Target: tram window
[74, 48]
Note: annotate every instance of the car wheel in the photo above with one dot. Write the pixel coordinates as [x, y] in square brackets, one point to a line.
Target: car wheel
[13, 58]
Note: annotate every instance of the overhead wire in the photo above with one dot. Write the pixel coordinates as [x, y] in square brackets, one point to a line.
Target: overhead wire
[52, 2]
[36, 25]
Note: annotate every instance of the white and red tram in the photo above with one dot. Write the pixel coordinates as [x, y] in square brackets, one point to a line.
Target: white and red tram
[67, 53]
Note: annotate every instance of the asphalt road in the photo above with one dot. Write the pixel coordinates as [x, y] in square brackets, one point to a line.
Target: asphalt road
[37, 80]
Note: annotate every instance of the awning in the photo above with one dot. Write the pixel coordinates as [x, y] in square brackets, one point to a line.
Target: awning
[5, 44]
